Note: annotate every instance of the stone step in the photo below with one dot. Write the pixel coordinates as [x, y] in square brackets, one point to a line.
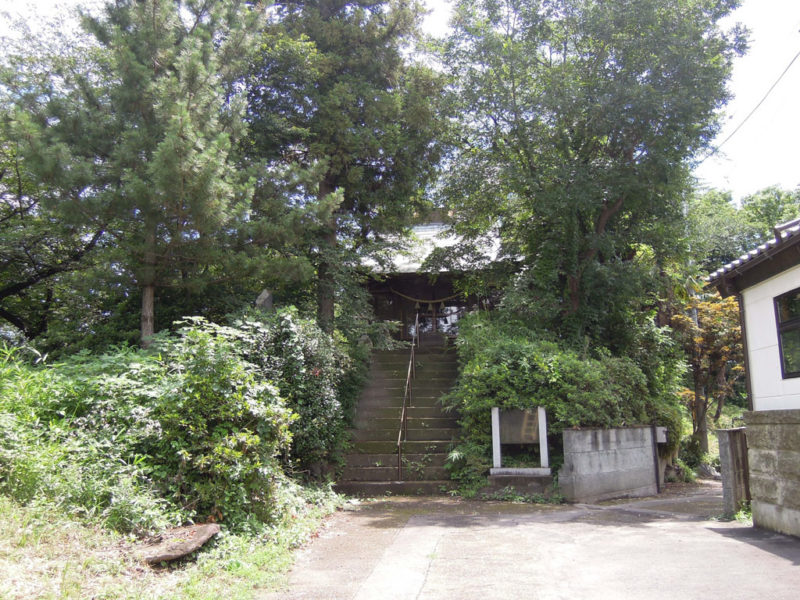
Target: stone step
[412, 471]
[394, 399]
[413, 422]
[381, 473]
[420, 353]
[400, 375]
[393, 412]
[420, 376]
[417, 411]
[374, 489]
[394, 383]
[412, 435]
[431, 394]
[420, 361]
[400, 368]
[390, 460]
[371, 467]
[410, 447]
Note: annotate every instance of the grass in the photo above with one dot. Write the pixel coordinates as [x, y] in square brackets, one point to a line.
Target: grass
[45, 555]
[509, 494]
[744, 515]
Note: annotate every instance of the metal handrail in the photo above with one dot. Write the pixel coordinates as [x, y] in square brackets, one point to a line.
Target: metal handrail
[402, 434]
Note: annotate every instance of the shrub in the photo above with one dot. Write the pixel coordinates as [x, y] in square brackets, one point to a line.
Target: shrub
[214, 427]
[140, 438]
[50, 451]
[313, 372]
[199, 426]
[505, 363]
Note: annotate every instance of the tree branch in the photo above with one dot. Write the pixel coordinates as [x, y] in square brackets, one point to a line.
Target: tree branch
[61, 267]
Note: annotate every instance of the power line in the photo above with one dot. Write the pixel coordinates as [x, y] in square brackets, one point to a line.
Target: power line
[750, 114]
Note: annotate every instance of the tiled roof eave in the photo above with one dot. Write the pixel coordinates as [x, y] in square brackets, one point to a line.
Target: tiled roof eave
[787, 237]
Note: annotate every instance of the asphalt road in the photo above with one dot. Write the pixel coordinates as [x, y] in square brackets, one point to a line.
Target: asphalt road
[673, 546]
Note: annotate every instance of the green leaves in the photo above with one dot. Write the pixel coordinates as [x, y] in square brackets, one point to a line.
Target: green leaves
[132, 134]
[134, 438]
[508, 363]
[579, 119]
[334, 93]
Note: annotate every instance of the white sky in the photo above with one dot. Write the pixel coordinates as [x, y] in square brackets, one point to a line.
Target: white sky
[765, 151]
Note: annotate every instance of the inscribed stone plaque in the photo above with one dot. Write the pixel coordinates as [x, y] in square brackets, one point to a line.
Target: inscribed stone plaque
[519, 427]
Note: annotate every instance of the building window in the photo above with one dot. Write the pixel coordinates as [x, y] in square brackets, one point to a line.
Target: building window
[787, 312]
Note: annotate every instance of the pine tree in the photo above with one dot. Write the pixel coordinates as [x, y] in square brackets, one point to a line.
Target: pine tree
[142, 137]
[365, 120]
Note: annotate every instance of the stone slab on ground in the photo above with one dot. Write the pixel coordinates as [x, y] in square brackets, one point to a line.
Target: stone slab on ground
[440, 548]
[177, 543]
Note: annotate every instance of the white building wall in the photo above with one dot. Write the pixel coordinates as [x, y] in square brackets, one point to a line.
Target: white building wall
[770, 391]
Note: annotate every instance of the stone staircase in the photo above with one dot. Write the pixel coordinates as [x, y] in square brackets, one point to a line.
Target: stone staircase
[371, 467]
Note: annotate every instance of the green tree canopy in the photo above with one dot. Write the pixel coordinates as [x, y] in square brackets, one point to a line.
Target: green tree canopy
[769, 207]
[718, 231]
[363, 118]
[135, 130]
[579, 119]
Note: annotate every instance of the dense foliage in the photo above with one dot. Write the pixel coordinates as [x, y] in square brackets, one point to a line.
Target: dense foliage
[711, 336]
[721, 230]
[175, 158]
[507, 363]
[357, 116]
[314, 374]
[578, 119]
[188, 429]
[133, 131]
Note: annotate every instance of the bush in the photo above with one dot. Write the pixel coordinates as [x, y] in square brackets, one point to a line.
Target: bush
[692, 455]
[52, 452]
[138, 438]
[215, 428]
[505, 363]
[200, 426]
[316, 376]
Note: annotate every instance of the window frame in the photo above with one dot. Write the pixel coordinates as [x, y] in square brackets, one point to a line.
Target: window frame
[789, 325]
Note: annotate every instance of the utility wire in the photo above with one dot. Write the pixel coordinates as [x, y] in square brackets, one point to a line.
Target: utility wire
[750, 114]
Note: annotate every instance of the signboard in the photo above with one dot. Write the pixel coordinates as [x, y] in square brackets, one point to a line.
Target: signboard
[519, 426]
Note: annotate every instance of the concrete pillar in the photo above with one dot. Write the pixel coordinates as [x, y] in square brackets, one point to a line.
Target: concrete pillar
[497, 459]
[734, 467]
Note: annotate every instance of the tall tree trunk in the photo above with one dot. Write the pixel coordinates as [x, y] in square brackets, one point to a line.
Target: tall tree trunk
[148, 314]
[574, 280]
[147, 283]
[574, 293]
[701, 419]
[326, 270]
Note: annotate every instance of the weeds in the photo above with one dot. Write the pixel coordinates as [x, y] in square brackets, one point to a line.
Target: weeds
[745, 514]
[46, 555]
[510, 494]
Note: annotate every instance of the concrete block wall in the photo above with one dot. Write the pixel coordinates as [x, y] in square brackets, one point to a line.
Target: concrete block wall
[773, 440]
[600, 464]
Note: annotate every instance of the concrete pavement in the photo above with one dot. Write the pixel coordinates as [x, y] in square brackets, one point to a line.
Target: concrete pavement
[441, 548]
